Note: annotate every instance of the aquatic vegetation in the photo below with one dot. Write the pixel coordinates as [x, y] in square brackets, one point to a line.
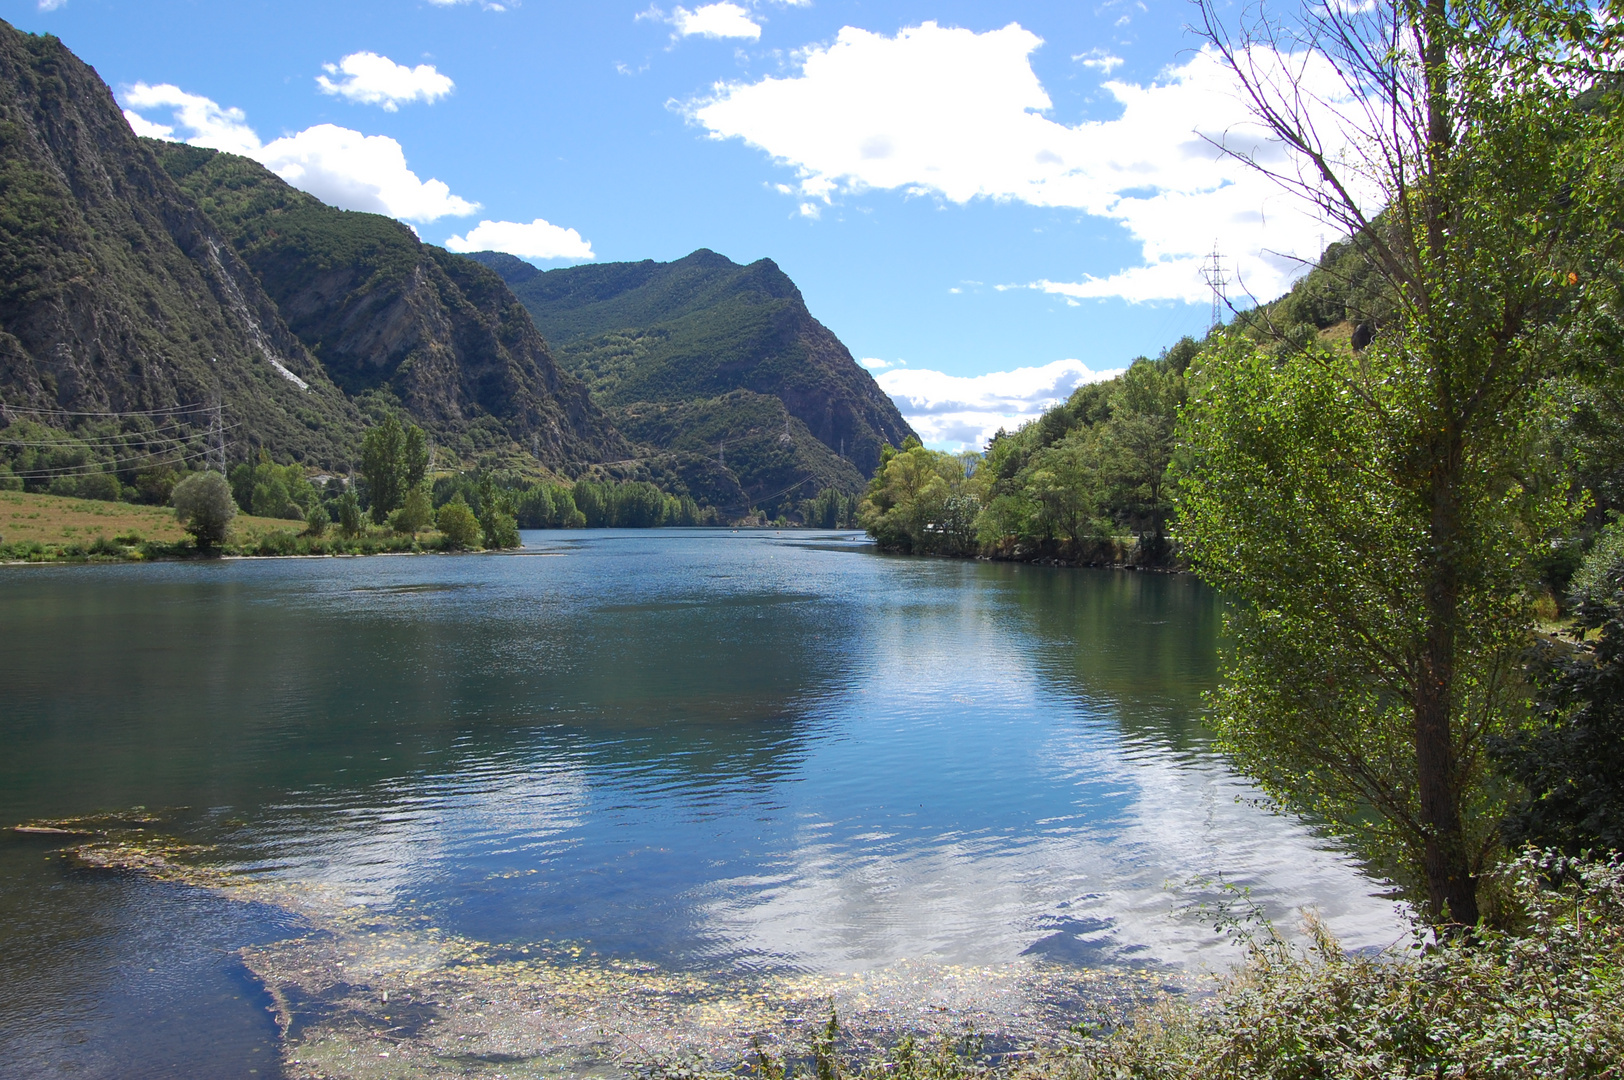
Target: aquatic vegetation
[364, 992]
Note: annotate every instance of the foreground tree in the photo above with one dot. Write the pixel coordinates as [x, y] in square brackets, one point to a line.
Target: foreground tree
[204, 507]
[1368, 509]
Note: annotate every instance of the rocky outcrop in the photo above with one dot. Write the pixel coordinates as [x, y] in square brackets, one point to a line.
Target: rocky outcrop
[117, 294]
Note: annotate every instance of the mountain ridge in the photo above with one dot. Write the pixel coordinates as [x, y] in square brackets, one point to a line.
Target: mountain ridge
[704, 328]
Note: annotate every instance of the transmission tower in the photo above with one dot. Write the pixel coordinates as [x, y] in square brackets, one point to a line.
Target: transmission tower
[216, 453]
[1213, 271]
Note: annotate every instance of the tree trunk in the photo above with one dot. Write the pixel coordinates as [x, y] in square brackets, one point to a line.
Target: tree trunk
[1451, 887]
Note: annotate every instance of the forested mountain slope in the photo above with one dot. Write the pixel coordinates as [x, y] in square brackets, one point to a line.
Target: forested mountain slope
[384, 312]
[116, 294]
[705, 358]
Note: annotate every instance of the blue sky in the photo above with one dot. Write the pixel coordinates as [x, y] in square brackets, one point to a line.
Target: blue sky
[986, 202]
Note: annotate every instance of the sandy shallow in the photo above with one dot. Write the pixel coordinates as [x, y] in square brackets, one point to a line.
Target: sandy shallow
[368, 993]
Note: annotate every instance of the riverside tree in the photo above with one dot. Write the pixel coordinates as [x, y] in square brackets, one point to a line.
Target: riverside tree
[1368, 510]
[394, 460]
[204, 507]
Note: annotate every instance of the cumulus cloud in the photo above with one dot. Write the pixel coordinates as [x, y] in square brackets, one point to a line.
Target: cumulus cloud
[723, 20]
[335, 164]
[369, 79]
[206, 123]
[538, 239]
[965, 411]
[958, 115]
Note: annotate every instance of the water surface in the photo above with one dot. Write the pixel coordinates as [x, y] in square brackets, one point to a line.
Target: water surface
[709, 750]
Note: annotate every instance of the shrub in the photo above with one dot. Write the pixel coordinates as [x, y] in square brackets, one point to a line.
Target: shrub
[459, 526]
[204, 507]
[1537, 1004]
[277, 542]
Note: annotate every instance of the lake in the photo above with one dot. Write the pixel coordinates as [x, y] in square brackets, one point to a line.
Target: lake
[635, 767]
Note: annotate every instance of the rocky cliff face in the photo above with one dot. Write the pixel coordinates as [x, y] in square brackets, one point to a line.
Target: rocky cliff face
[387, 314]
[705, 329]
[117, 294]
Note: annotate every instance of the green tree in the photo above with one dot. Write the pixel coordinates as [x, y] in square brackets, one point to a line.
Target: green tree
[459, 526]
[1568, 762]
[416, 511]
[1366, 511]
[349, 514]
[636, 504]
[204, 507]
[393, 460]
[591, 501]
[496, 516]
[922, 501]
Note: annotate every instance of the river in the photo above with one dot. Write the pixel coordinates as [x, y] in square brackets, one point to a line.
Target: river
[654, 755]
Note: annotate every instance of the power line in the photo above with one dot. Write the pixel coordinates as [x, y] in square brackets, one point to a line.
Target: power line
[92, 468]
[118, 441]
[106, 415]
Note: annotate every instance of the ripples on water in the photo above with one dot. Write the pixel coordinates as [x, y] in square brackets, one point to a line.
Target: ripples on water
[706, 750]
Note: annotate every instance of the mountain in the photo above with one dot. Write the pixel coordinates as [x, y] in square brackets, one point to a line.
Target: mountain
[709, 360]
[117, 294]
[389, 316]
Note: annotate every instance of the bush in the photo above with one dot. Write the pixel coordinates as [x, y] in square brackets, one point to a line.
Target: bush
[204, 507]
[316, 520]
[1538, 1004]
[278, 542]
[459, 526]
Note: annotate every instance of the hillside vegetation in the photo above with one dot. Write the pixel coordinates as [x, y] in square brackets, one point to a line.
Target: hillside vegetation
[706, 361]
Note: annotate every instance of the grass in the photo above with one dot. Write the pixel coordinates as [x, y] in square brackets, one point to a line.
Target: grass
[52, 528]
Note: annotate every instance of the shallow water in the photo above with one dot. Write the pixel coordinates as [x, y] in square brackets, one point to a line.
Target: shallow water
[708, 751]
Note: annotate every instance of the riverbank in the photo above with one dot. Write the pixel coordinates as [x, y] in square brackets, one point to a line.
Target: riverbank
[37, 528]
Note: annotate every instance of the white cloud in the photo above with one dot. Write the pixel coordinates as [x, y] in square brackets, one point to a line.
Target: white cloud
[959, 115]
[370, 79]
[1100, 60]
[723, 20]
[965, 411]
[335, 164]
[360, 172]
[146, 128]
[874, 363]
[206, 123]
[52, 5]
[537, 240]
